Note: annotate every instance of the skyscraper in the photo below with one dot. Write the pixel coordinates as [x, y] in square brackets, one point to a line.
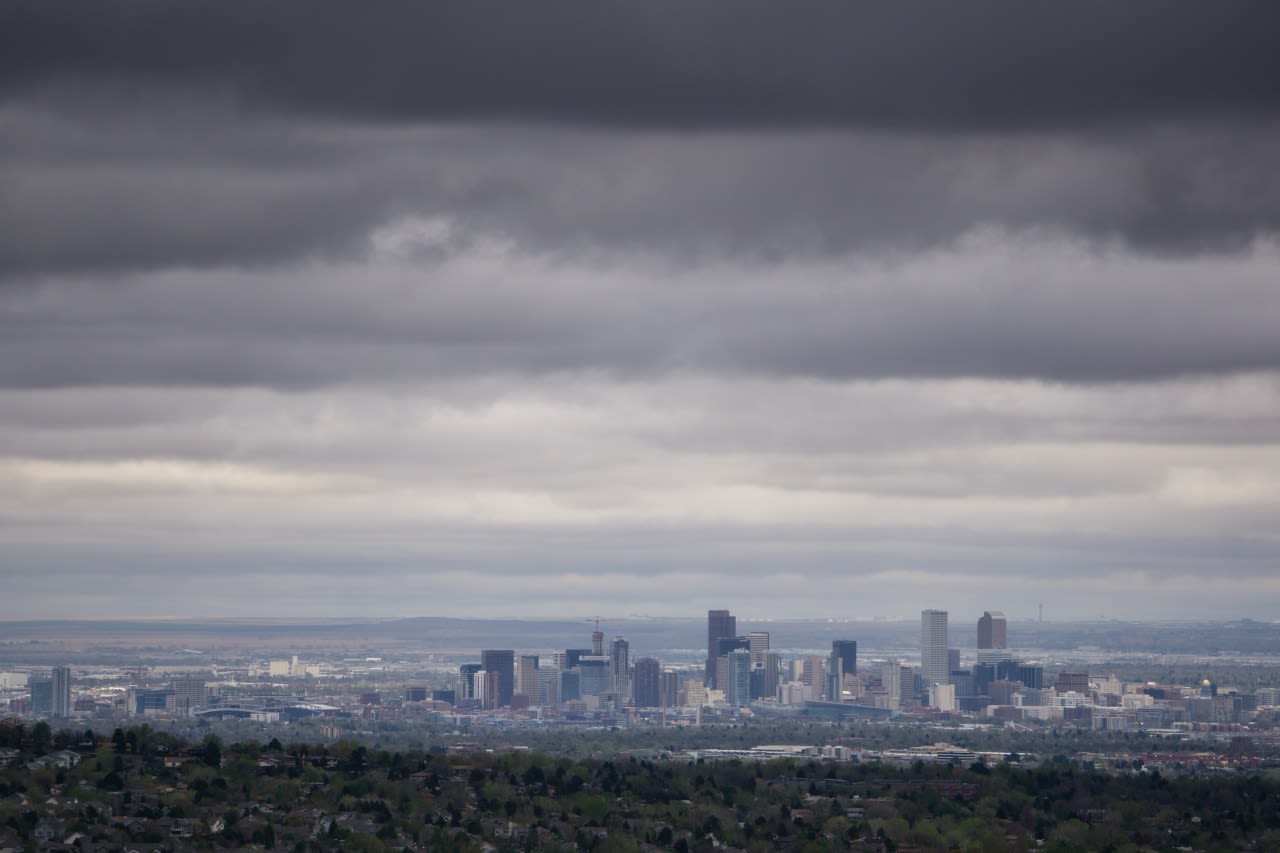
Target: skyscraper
[466, 681]
[843, 661]
[847, 652]
[527, 678]
[891, 678]
[758, 642]
[738, 689]
[772, 669]
[720, 624]
[40, 689]
[188, 695]
[935, 665]
[503, 662]
[619, 667]
[992, 631]
[61, 699]
[647, 676]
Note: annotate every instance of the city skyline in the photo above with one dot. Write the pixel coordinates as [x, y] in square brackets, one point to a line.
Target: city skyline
[552, 310]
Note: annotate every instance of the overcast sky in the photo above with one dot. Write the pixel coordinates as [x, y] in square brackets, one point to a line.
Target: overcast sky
[559, 309]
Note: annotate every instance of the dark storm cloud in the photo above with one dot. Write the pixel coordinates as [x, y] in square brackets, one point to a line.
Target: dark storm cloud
[718, 63]
[996, 305]
[150, 134]
[199, 184]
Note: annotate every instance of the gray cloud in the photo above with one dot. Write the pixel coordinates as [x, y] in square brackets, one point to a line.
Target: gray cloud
[994, 304]
[672, 306]
[199, 185]
[722, 63]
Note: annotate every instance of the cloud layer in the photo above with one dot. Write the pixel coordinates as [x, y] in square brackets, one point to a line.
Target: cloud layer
[804, 310]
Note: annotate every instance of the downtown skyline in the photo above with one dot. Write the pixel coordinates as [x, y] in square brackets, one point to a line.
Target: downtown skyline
[539, 312]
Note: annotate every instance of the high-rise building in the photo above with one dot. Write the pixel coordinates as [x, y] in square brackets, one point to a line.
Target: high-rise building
[648, 677]
[720, 624]
[935, 664]
[738, 689]
[992, 631]
[61, 698]
[847, 652]
[813, 673]
[1072, 682]
[466, 680]
[188, 695]
[772, 671]
[527, 678]
[906, 686]
[942, 696]
[493, 690]
[40, 687]
[593, 675]
[669, 689]
[758, 643]
[1030, 674]
[891, 678]
[843, 662]
[619, 667]
[503, 662]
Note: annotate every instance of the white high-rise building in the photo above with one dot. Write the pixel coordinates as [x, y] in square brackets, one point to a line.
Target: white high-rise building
[942, 697]
[935, 665]
[891, 678]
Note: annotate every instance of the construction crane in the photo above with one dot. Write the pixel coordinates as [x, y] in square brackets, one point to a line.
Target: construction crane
[597, 636]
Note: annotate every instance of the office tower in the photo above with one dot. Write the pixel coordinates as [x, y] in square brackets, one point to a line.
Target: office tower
[953, 660]
[906, 686]
[992, 631]
[61, 691]
[669, 689]
[1031, 675]
[597, 641]
[935, 664]
[570, 685]
[983, 675]
[772, 674]
[493, 690]
[891, 678]
[648, 676]
[758, 642]
[188, 695]
[527, 678]
[843, 662]
[847, 652]
[813, 674]
[40, 687]
[942, 696]
[619, 667]
[720, 624]
[738, 689]
[466, 680]
[593, 675]
[1072, 682]
[549, 687]
[503, 662]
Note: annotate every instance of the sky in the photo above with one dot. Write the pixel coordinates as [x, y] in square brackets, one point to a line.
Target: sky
[557, 309]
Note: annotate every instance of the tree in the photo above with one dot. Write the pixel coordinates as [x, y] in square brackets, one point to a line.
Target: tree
[211, 751]
[41, 736]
